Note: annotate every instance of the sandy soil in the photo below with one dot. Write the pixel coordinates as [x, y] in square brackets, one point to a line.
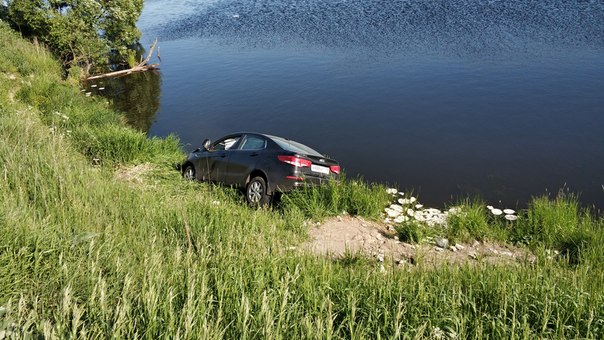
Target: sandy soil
[133, 174]
[339, 235]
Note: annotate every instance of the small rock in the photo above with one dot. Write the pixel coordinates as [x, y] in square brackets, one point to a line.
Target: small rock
[391, 228]
[396, 207]
[496, 212]
[401, 219]
[509, 211]
[438, 249]
[454, 210]
[93, 85]
[459, 246]
[392, 213]
[339, 218]
[391, 191]
[473, 255]
[403, 201]
[395, 238]
[453, 249]
[12, 77]
[510, 217]
[380, 257]
[382, 269]
[493, 250]
[442, 242]
[475, 243]
[419, 206]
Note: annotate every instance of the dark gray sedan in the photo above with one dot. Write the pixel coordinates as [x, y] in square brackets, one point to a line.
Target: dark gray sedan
[260, 164]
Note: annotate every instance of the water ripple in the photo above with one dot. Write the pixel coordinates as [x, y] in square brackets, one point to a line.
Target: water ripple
[458, 27]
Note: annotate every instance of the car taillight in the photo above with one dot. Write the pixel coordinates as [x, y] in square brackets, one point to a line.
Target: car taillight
[295, 161]
[335, 169]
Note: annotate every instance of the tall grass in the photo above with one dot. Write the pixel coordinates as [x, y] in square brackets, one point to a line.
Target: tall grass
[355, 197]
[472, 223]
[549, 224]
[84, 254]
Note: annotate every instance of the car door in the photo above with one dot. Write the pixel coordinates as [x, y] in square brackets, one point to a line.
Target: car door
[243, 161]
[216, 161]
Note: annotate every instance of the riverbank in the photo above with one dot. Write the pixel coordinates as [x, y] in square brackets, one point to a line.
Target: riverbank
[99, 237]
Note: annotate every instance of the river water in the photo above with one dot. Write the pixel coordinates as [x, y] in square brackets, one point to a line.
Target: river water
[500, 99]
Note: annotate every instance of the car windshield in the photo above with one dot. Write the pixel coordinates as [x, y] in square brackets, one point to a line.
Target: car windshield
[296, 147]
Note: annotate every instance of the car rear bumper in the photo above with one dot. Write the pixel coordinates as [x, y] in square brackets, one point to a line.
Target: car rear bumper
[293, 182]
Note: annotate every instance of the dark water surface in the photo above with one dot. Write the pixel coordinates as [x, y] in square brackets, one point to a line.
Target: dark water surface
[504, 99]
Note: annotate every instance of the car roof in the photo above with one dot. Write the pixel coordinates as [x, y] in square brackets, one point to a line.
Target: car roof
[253, 133]
[272, 138]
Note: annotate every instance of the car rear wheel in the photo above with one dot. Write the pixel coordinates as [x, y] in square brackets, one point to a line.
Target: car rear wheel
[189, 172]
[255, 192]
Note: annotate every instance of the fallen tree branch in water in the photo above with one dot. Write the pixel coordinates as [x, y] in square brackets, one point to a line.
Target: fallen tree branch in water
[142, 66]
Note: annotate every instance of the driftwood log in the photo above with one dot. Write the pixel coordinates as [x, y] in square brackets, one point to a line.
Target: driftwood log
[142, 66]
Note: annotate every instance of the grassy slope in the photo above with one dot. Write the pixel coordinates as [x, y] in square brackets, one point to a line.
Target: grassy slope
[83, 254]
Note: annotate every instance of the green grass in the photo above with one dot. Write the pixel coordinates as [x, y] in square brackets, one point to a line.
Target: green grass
[556, 223]
[346, 196]
[85, 254]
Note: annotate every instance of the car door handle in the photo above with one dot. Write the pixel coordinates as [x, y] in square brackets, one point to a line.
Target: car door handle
[254, 154]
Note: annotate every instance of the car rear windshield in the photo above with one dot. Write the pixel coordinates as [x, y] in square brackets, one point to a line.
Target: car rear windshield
[296, 147]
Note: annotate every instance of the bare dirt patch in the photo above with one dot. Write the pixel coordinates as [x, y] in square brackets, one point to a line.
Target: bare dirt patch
[133, 174]
[338, 236]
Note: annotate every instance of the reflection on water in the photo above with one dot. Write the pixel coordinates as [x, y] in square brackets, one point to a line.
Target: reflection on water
[138, 96]
[497, 98]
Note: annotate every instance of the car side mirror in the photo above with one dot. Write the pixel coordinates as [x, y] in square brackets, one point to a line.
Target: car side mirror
[206, 144]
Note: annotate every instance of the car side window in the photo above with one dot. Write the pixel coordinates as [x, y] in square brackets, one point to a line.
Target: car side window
[226, 144]
[253, 143]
